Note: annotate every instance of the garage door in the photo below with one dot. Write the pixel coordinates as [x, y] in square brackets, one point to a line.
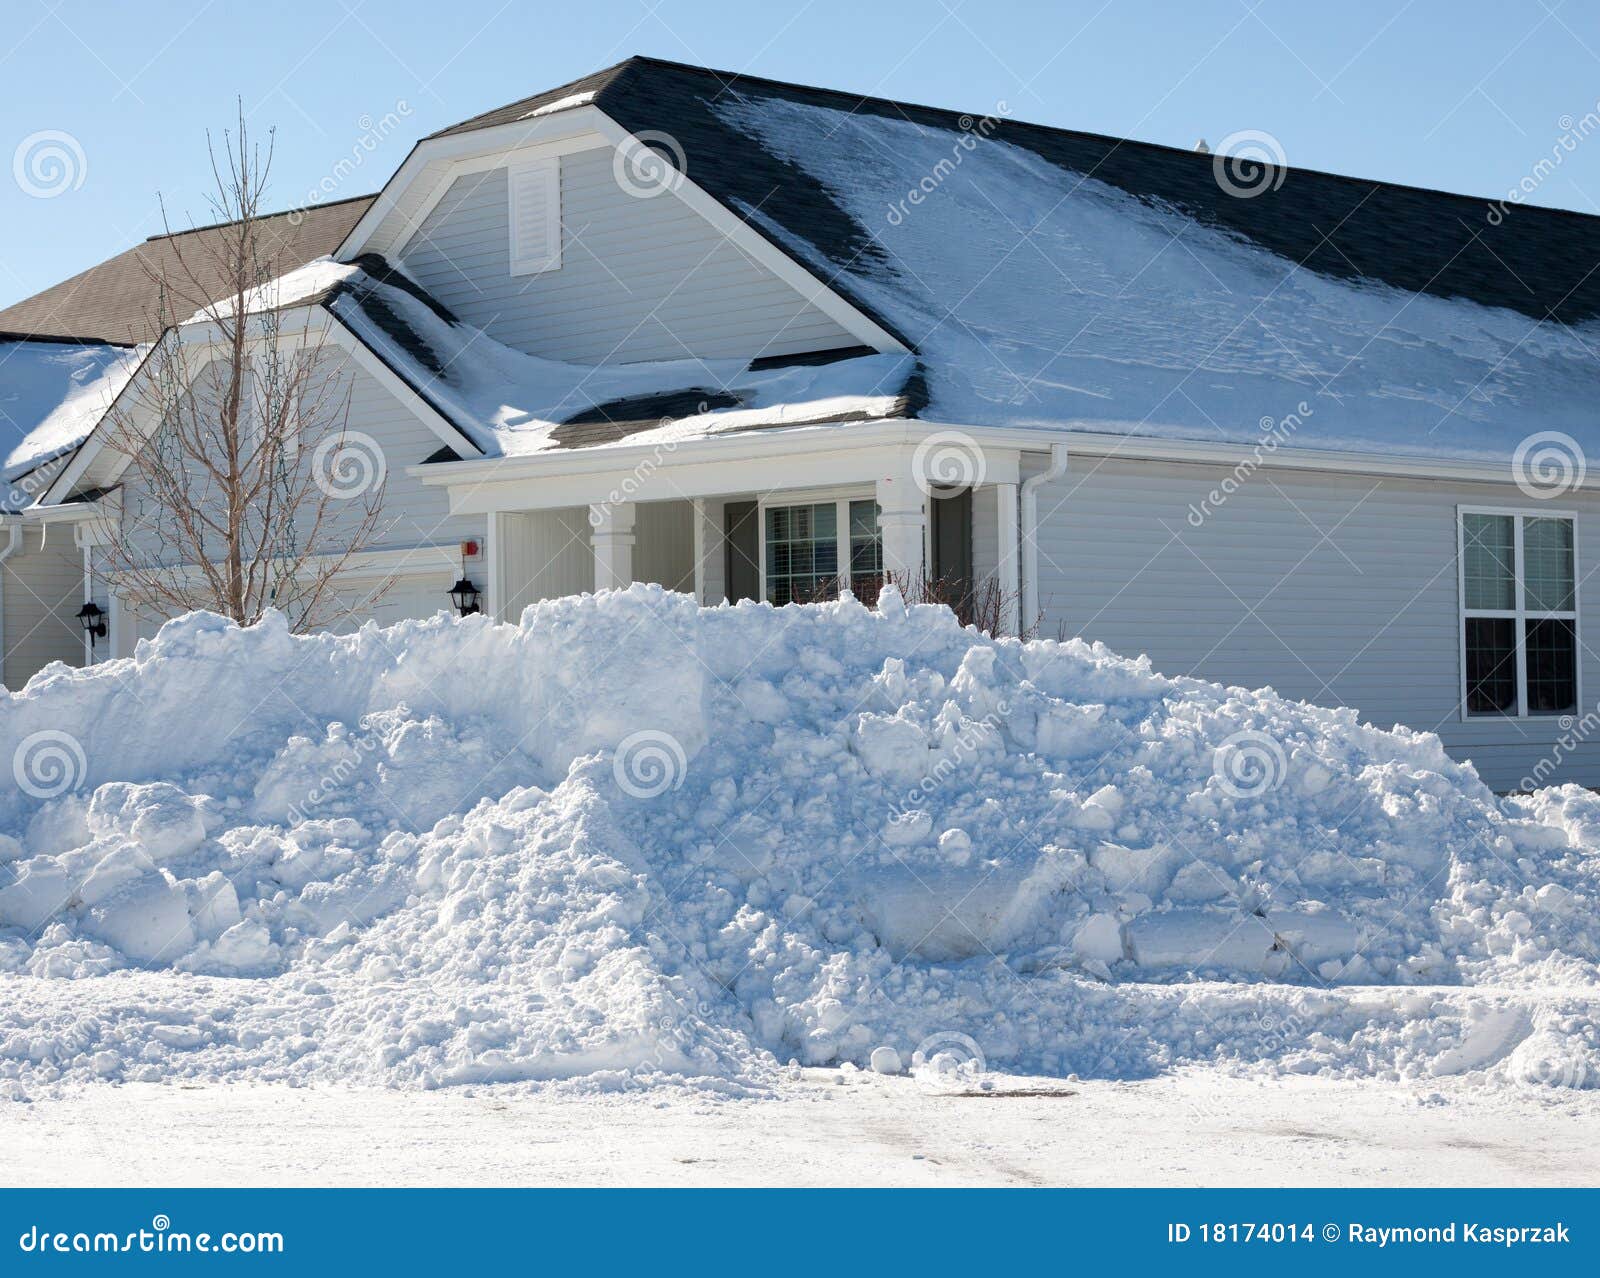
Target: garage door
[358, 601]
[414, 595]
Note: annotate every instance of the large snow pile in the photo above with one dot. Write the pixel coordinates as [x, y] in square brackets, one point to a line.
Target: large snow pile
[631, 839]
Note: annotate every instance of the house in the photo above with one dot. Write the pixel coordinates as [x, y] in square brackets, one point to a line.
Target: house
[1267, 425]
[65, 354]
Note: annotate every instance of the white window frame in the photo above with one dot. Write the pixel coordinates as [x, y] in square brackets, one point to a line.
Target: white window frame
[1521, 614]
[534, 259]
[840, 497]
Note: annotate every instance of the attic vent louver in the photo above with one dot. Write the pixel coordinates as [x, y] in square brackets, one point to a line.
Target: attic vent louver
[534, 215]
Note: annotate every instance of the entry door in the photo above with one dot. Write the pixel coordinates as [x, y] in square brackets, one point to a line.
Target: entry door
[950, 541]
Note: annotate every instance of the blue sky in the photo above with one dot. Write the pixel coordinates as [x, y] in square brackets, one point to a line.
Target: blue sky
[1464, 96]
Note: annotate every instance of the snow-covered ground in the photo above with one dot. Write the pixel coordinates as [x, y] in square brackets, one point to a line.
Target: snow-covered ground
[635, 846]
[1194, 1128]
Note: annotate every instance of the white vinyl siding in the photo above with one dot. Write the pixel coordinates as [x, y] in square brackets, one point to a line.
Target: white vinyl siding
[533, 213]
[640, 278]
[410, 516]
[663, 547]
[1339, 589]
[41, 590]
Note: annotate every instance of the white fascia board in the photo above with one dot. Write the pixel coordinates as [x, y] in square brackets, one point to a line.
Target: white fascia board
[472, 152]
[608, 459]
[79, 512]
[581, 129]
[1287, 457]
[313, 322]
[343, 336]
[799, 457]
[198, 337]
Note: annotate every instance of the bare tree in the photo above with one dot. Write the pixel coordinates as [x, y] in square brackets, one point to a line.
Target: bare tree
[244, 488]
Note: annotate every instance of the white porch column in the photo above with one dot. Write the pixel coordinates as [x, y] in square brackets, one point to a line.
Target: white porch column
[709, 587]
[903, 523]
[494, 586]
[612, 537]
[1007, 569]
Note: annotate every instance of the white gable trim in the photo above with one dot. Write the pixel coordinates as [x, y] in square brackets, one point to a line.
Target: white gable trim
[582, 129]
[342, 335]
[324, 324]
[474, 152]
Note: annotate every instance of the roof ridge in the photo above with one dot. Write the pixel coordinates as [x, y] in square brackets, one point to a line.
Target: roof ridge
[52, 339]
[1007, 122]
[259, 217]
[466, 125]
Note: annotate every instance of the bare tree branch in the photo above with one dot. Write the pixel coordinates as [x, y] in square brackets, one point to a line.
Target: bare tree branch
[233, 496]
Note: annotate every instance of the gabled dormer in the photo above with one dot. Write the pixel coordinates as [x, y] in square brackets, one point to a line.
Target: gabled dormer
[564, 234]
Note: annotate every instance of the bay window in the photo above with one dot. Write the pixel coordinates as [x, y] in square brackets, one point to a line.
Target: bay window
[1519, 613]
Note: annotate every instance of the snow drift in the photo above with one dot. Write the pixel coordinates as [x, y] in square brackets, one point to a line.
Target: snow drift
[631, 839]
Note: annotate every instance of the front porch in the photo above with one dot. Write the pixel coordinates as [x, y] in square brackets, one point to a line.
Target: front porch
[746, 519]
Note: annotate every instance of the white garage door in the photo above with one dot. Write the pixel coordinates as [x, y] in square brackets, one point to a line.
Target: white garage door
[415, 595]
[359, 600]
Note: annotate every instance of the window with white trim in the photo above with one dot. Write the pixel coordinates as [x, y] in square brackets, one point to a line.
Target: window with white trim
[1519, 613]
[533, 192]
[807, 549]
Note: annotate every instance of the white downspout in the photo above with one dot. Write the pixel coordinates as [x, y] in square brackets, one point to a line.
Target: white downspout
[8, 547]
[1028, 529]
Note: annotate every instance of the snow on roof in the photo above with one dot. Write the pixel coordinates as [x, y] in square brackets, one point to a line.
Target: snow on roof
[51, 395]
[512, 403]
[1037, 296]
[292, 288]
[561, 104]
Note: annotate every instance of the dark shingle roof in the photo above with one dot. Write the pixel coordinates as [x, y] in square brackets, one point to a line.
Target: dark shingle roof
[116, 300]
[1540, 262]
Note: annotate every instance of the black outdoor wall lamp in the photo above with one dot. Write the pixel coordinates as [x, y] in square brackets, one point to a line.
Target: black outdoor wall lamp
[93, 621]
[466, 597]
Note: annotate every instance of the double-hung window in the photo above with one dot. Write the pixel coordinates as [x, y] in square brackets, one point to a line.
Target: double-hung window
[1519, 613]
[808, 548]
